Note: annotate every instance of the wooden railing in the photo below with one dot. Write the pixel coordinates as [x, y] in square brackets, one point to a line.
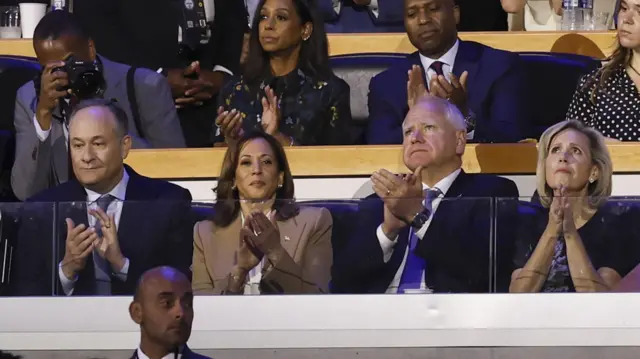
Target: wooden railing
[596, 44]
[343, 161]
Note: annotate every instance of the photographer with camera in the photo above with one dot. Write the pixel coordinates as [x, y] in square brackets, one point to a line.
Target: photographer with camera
[73, 71]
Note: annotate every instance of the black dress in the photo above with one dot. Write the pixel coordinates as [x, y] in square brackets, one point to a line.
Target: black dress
[614, 110]
[313, 112]
[611, 238]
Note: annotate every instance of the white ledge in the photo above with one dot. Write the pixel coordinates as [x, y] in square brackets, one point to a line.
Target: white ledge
[373, 321]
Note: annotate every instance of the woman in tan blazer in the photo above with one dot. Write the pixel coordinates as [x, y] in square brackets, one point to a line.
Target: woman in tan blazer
[259, 240]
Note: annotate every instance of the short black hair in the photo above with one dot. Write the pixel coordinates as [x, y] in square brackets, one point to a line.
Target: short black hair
[57, 23]
[112, 105]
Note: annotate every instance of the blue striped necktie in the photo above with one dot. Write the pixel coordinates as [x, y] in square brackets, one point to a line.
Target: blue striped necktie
[413, 272]
[101, 265]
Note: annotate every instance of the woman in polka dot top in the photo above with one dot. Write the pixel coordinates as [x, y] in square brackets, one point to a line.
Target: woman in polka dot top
[607, 99]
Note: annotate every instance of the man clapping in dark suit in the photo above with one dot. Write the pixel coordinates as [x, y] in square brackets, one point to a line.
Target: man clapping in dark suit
[163, 308]
[428, 231]
[487, 85]
[112, 223]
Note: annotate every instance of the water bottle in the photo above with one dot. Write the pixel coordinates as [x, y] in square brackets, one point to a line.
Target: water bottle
[572, 19]
[587, 14]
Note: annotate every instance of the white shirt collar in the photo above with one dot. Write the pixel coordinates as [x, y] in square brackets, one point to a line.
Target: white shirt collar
[449, 58]
[444, 184]
[142, 355]
[119, 191]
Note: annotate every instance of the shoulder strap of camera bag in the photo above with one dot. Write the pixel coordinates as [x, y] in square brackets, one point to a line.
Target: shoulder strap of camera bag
[133, 101]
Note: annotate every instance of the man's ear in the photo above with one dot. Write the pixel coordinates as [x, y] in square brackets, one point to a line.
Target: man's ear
[135, 312]
[126, 146]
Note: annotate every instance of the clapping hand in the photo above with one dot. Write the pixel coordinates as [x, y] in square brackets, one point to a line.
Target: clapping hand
[416, 87]
[270, 112]
[455, 92]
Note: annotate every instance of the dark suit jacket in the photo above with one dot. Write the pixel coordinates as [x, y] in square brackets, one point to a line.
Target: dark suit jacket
[496, 94]
[144, 33]
[355, 18]
[456, 246]
[186, 354]
[155, 229]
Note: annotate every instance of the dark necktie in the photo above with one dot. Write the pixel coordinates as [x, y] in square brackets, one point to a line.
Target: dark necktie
[436, 66]
[412, 273]
[102, 266]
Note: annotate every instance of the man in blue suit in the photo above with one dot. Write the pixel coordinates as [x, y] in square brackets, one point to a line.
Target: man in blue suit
[487, 85]
[110, 224]
[430, 230]
[362, 15]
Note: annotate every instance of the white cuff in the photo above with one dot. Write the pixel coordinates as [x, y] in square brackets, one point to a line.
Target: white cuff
[222, 69]
[67, 284]
[337, 5]
[373, 7]
[42, 134]
[122, 275]
[386, 244]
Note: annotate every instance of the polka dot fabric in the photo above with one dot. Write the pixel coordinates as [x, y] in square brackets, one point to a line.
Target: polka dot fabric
[616, 112]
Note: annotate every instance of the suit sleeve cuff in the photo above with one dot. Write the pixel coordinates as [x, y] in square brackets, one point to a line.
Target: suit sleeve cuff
[42, 134]
[373, 7]
[222, 69]
[67, 284]
[386, 244]
[122, 274]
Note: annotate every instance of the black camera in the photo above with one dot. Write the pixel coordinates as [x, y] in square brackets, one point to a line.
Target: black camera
[85, 78]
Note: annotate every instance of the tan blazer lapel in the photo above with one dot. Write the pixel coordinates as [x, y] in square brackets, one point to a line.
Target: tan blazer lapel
[290, 234]
[221, 253]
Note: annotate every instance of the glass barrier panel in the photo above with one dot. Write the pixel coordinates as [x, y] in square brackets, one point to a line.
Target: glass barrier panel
[448, 251]
[114, 242]
[27, 249]
[567, 244]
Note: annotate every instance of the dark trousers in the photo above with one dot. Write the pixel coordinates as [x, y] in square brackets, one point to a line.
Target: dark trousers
[198, 124]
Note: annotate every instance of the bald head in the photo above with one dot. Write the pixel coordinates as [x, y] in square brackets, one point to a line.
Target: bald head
[155, 277]
[163, 307]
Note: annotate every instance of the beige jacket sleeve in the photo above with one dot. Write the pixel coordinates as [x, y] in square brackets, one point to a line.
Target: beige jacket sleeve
[313, 274]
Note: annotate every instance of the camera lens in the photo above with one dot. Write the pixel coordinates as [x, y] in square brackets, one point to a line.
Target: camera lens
[88, 84]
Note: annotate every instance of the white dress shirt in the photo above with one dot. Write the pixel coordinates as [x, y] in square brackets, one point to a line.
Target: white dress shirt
[141, 355]
[448, 60]
[387, 244]
[115, 209]
[252, 286]
[373, 6]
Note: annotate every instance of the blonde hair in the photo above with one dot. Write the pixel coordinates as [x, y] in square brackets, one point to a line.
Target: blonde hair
[597, 191]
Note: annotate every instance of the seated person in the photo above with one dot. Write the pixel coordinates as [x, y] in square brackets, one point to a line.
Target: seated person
[113, 225]
[486, 84]
[259, 240]
[362, 15]
[577, 241]
[418, 231]
[42, 109]
[287, 89]
[163, 308]
[607, 99]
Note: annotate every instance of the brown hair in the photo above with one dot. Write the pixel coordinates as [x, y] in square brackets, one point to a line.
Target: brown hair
[227, 205]
[621, 57]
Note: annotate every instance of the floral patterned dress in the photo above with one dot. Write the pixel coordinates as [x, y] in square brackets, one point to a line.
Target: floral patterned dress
[313, 112]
